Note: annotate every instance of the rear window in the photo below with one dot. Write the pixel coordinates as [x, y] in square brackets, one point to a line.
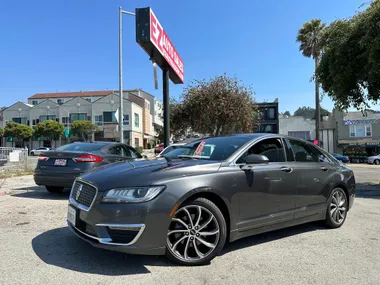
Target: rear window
[88, 147]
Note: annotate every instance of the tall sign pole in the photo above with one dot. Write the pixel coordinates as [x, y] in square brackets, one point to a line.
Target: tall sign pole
[153, 39]
[165, 93]
[121, 125]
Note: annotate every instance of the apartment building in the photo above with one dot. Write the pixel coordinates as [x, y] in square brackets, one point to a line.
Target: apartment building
[141, 118]
[269, 122]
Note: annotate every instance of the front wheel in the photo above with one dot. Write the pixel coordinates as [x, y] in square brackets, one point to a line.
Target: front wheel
[197, 233]
[337, 209]
[377, 162]
[54, 189]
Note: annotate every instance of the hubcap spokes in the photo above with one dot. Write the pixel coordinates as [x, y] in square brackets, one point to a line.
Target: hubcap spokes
[338, 208]
[193, 233]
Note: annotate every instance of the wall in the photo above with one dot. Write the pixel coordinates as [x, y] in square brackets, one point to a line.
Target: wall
[297, 123]
[13, 112]
[42, 110]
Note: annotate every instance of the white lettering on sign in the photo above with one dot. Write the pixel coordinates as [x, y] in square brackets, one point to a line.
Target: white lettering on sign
[162, 42]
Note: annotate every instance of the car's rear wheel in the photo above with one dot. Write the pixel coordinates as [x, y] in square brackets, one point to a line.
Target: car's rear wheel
[54, 189]
[197, 233]
[377, 162]
[337, 209]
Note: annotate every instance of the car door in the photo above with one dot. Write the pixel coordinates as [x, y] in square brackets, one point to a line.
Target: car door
[267, 193]
[313, 178]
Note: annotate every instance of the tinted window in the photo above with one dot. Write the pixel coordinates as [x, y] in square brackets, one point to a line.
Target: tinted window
[271, 148]
[134, 153]
[219, 148]
[88, 147]
[303, 152]
[120, 151]
[322, 157]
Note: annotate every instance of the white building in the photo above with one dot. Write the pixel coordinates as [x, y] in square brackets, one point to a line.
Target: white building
[140, 114]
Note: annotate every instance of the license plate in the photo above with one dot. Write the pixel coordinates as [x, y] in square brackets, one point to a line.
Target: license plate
[72, 215]
[60, 162]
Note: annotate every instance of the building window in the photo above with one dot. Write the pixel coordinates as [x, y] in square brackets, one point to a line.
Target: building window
[88, 99]
[137, 123]
[22, 120]
[99, 120]
[109, 117]
[147, 105]
[363, 130]
[78, 117]
[33, 122]
[271, 115]
[65, 120]
[60, 101]
[34, 102]
[47, 117]
[126, 120]
[136, 142]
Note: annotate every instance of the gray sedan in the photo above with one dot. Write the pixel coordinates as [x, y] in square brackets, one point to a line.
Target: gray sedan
[216, 190]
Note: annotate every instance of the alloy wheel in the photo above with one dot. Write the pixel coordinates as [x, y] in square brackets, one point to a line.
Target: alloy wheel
[193, 233]
[338, 207]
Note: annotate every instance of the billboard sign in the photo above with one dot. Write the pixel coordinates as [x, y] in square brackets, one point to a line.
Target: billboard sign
[151, 36]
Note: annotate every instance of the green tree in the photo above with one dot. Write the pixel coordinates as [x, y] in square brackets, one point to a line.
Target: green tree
[1, 132]
[349, 70]
[17, 131]
[50, 129]
[309, 113]
[219, 106]
[84, 129]
[310, 39]
[287, 113]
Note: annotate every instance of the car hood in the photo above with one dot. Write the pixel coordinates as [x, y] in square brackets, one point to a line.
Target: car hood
[143, 172]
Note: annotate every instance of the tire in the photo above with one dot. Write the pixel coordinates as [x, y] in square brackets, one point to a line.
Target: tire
[338, 200]
[377, 162]
[54, 189]
[188, 238]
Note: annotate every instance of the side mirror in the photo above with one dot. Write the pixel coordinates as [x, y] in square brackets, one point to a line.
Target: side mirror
[256, 159]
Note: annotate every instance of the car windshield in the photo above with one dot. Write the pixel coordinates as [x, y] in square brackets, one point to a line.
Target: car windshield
[88, 147]
[218, 148]
[170, 148]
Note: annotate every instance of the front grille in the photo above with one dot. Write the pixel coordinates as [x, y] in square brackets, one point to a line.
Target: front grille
[122, 236]
[83, 193]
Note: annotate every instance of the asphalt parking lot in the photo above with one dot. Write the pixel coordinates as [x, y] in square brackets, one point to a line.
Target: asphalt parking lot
[37, 247]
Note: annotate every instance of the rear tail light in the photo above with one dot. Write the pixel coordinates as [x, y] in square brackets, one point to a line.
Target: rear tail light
[88, 158]
[43, 157]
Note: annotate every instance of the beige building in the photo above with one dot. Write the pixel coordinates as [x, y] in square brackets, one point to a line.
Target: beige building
[140, 121]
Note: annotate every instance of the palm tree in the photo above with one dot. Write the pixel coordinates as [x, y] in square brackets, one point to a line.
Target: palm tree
[310, 39]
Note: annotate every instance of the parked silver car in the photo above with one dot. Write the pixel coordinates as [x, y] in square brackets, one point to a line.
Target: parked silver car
[39, 150]
[374, 159]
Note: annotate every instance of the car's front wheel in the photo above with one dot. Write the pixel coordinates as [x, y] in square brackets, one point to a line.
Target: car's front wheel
[54, 189]
[337, 209]
[377, 162]
[197, 233]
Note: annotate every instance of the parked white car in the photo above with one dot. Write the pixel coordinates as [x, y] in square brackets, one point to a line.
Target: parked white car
[374, 159]
[39, 150]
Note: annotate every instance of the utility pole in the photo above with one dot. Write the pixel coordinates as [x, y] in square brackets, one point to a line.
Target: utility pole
[165, 88]
[317, 105]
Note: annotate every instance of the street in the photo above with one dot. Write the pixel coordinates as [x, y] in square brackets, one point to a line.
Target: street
[38, 248]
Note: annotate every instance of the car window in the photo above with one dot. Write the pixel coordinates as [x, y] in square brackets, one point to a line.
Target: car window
[271, 148]
[120, 151]
[134, 153]
[322, 157]
[166, 150]
[303, 152]
[87, 147]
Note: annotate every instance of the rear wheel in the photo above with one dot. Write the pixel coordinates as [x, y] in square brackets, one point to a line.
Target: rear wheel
[197, 233]
[54, 189]
[337, 209]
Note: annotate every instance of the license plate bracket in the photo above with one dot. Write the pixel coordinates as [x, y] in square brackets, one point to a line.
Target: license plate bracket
[60, 162]
[72, 215]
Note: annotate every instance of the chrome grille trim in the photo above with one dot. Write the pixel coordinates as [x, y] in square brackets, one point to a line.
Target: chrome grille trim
[78, 204]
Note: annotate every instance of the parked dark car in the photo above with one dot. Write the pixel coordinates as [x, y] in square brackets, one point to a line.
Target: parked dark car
[57, 169]
[219, 189]
[342, 158]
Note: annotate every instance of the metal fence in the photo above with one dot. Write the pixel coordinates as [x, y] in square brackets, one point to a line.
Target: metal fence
[12, 157]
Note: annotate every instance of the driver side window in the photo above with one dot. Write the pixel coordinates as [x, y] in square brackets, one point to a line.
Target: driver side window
[272, 148]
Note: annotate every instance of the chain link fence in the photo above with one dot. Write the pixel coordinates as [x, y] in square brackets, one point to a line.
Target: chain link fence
[13, 159]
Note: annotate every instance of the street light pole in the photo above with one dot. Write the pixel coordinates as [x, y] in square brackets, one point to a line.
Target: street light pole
[121, 109]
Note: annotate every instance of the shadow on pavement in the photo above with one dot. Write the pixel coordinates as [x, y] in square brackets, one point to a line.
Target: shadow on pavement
[60, 247]
[37, 192]
[272, 236]
[367, 191]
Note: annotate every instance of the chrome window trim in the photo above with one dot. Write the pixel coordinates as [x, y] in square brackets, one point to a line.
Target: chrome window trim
[79, 205]
[108, 241]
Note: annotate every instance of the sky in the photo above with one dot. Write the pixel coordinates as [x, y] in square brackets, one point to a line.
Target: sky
[72, 45]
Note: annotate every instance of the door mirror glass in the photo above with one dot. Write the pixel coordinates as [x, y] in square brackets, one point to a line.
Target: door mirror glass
[256, 158]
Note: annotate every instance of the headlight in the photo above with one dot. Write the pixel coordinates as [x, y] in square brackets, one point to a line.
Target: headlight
[132, 194]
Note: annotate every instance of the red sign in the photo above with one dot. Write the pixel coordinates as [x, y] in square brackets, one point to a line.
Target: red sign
[162, 42]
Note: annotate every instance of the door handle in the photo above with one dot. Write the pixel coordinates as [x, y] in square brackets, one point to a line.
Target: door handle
[324, 168]
[286, 169]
